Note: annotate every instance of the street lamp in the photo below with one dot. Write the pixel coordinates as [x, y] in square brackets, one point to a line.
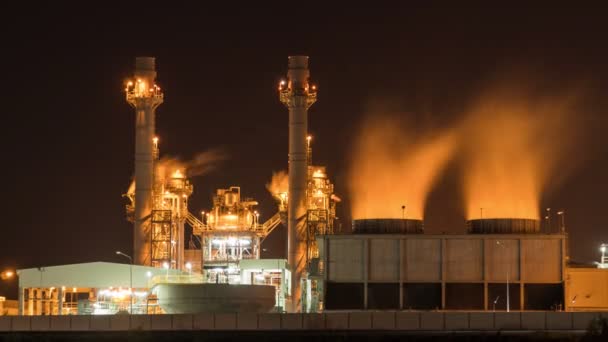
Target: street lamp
[130, 279]
[508, 267]
[7, 275]
[189, 268]
[604, 259]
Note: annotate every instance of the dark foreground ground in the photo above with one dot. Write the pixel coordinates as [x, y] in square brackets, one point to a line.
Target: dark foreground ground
[266, 336]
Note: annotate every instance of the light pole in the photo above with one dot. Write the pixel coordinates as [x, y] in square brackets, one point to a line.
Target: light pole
[189, 268]
[508, 267]
[130, 280]
[562, 215]
[604, 262]
[548, 217]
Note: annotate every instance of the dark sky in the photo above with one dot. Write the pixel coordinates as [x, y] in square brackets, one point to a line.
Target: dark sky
[68, 133]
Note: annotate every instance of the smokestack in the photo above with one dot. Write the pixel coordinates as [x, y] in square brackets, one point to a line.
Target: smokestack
[145, 97]
[297, 96]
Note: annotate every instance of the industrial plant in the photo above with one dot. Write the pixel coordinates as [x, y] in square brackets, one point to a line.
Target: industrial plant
[388, 261]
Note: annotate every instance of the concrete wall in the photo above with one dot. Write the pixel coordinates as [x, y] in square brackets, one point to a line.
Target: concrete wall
[472, 258]
[422, 260]
[346, 260]
[357, 320]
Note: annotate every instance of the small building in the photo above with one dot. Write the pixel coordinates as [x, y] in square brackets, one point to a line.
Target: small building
[89, 288]
[586, 289]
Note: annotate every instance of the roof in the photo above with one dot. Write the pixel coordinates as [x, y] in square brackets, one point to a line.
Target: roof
[91, 274]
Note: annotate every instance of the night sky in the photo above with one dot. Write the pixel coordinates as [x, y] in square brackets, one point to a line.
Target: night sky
[68, 134]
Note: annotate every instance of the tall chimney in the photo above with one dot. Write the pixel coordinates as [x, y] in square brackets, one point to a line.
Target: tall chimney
[143, 95]
[297, 95]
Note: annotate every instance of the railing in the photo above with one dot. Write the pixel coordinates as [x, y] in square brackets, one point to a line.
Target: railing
[197, 225]
[268, 226]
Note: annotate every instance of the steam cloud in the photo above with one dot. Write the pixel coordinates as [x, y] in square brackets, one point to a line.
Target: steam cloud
[279, 183]
[392, 166]
[200, 165]
[514, 143]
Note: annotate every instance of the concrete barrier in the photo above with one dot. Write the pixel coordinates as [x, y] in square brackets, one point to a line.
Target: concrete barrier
[355, 321]
[225, 321]
[431, 321]
[313, 321]
[159, 322]
[533, 320]
[203, 321]
[269, 321]
[182, 322]
[582, 320]
[481, 321]
[456, 321]
[140, 322]
[383, 320]
[507, 321]
[559, 320]
[5, 323]
[100, 323]
[120, 322]
[407, 320]
[41, 323]
[247, 321]
[360, 320]
[336, 321]
[80, 323]
[60, 323]
[21, 323]
[291, 321]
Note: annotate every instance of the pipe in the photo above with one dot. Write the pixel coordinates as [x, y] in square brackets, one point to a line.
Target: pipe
[297, 98]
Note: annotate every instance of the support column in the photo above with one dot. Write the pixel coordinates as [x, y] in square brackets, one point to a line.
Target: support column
[365, 271]
[38, 302]
[401, 271]
[443, 272]
[30, 301]
[485, 273]
[60, 295]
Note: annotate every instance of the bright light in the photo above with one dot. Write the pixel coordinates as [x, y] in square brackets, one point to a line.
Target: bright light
[603, 249]
[244, 242]
[216, 241]
[178, 174]
[155, 140]
[166, 265]
[188, 266]
[282, 82]
[148, 274]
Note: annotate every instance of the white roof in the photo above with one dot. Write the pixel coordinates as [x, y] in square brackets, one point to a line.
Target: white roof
[90, 274]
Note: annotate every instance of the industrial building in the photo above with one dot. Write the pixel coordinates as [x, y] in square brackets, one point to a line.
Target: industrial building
[385, 264]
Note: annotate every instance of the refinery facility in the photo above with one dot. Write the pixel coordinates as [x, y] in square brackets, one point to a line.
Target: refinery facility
[387, 262]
